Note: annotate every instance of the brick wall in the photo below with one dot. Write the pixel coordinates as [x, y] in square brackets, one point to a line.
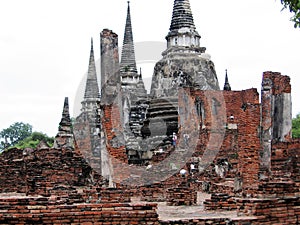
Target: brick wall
[45, 171]
[112, 126]
[88, 140]
[271, 211]
[12, 174]
[181, 196]
[42, 211]
[285, 160]
[276, 114]
[220, 202]
[229, 129]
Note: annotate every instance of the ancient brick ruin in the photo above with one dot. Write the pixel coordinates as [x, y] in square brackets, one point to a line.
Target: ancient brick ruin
[233, 162]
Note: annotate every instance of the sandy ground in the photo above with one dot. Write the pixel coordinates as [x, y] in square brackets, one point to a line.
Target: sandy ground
[189, 212]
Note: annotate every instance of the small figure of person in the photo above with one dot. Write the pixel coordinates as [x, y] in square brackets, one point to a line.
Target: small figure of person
[148, 166]
[182, 172]
[174, 139]
[186, 139]
[192, 168]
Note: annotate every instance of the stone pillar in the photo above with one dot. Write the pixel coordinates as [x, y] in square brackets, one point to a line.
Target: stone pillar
[266, 124]
[110, 70]
[113, 150]
[248, 143]
[276, 113]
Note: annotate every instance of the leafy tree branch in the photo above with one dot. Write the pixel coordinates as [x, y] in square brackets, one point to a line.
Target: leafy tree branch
[294, 7]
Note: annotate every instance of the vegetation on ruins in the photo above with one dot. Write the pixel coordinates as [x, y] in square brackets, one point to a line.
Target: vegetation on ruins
[296, 126]
[33, 140]
[20, 135]
[294, 7]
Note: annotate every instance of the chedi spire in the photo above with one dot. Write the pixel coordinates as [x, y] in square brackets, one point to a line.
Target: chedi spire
[64, 137]
[128, 63]
[226, 84]
[182, 15]
[182, 33]
[91, 88]
[91, 94]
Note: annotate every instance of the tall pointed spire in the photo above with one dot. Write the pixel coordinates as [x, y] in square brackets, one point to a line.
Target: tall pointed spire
[65, 120]
[128, 63]
[226, 84]
[182, 33]
[64, 137]
[141, 91]
[91, 88]
[182, 15]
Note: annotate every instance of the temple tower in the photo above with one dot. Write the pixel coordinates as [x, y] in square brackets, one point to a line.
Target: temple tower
[134, 94]
[184, 62]
[140, 87]
[129, 75]
[87, 124]
[64, 137]
[182, 29]
[128, 63]
[227, 86]
[91, 94]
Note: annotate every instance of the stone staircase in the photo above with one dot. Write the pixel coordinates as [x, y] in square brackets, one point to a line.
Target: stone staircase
[160, 123]
[151, 126]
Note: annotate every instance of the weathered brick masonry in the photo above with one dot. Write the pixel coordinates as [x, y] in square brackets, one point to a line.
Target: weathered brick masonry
[37, 210]
[44, 171]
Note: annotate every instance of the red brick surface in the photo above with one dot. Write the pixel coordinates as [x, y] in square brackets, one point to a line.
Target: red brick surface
[43, 211]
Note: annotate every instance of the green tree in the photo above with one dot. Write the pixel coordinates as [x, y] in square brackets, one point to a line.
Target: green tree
[14, 133]
[294, 7]
[33, 140]
[296, 126]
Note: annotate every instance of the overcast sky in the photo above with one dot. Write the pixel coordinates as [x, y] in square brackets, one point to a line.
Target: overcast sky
[44, 47]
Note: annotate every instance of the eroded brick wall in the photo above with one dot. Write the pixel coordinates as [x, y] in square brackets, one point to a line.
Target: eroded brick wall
[112, 126]
[45, 171]
[271, 211]
[44, 211]
[286, 160]
[276, 114]
[12, 171]
[229, 129]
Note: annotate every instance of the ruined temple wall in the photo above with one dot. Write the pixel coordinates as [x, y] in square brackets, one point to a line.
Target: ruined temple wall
[112, 125]
[49, 170]
[12, 174]
[86, 134]
[271, 211]
[286, 160]
[45, 171]
[214, 136]
[82, 136]
[113, 149]
[44, 211]
[112, 132]
[238, 112]
[228, 128]
[276, 113]
[110, 71]
[245, 108]
[249, 144]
